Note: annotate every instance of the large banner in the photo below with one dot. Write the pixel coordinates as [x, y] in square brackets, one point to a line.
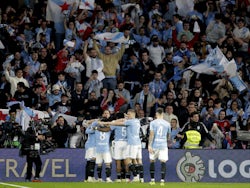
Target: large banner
[183, 165]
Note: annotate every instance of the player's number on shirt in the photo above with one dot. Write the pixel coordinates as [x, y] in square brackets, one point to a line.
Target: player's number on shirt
[102, 136]
[124, 132]
[159, 131]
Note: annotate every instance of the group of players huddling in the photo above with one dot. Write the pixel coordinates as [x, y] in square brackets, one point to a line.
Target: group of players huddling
[126, 147]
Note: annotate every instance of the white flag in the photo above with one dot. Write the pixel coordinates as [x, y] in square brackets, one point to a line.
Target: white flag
[117, 37]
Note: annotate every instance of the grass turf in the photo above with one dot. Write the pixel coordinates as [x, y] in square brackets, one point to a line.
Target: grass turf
[122, 185]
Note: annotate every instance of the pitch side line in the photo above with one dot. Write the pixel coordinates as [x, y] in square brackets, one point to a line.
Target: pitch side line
[13, 185]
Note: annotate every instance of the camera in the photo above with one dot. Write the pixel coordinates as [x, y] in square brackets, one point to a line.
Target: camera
[41, 125]
[13, 133]
[47, 146]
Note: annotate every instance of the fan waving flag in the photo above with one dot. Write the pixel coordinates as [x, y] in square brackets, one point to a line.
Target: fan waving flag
[87, 4]
[117, 37]
[84, 29]
[56, 12]
[215, 64]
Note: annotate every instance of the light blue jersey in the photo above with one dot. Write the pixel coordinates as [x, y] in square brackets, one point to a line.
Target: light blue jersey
[102, 141]
[90, 143]
[120, 133]
[161, 129]
[133, 131]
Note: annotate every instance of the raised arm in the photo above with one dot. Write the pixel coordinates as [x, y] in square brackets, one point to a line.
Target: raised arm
[85, 48]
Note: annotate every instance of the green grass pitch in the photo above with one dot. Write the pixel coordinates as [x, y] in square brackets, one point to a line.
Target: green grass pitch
[120, 185]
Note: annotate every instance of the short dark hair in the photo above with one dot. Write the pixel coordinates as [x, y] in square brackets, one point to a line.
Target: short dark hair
[18, 69]
[61, 73]
[94, 72]
[159, 110]
[21, 84]
[194, 113]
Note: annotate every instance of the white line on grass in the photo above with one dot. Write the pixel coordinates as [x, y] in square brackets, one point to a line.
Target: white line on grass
[13, 185]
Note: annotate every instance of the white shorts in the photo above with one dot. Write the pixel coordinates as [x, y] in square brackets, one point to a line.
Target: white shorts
[103, 157]
[161, 154]
[90, 153]
[120, 149]
[134, 152]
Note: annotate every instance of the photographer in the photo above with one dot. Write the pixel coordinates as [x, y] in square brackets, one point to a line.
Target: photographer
[12, 130]
[31, 148]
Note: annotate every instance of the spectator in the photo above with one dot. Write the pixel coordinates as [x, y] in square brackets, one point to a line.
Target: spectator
[215, 30]
[209, 118]
[45, 30]
[62, 60]
[197, 99]
[156, 51]
[33, 63]
[234, 113]
[74, 69]
[148, 66]
[23, 94]
[63, 106]
[182, 112]
[4, 91]
[141, 38]
[186, 32]
[167, 32]
[234, 96]
[92, 106]
[178, 23]
[217, 107]
[15, 79]
[241, 35]
[222, 122]
[168, 115]
[184, 38]
[110, 62]
[78, 98]
[17, 62]
[209, 103]
[55, 95]
[93, 62]
[70, 29]
[218, 137]
[146, 99]
[131, 73]
[63, 82]
[203, 91]
[125, 94]
[60, 131]
[175, 143]
[212, 9]
[93, 84]
[112, 102]
[157, 86]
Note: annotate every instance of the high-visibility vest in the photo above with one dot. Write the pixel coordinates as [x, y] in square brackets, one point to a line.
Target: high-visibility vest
[193, 139]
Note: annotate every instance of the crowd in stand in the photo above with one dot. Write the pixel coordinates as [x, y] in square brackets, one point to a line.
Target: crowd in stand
[145, 73]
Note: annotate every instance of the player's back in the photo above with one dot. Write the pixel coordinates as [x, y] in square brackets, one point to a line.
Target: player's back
[161, 129]
[120, 133]
[90, 143]
[133, 131]
[102, 141]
